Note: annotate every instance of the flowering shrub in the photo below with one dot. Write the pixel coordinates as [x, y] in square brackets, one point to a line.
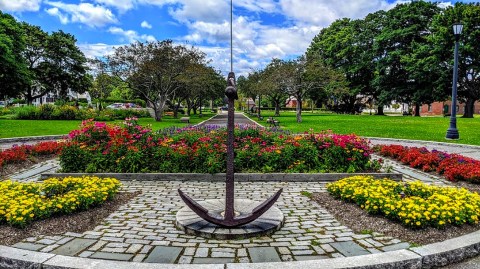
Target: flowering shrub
[21, 203]
[21, 153]
[100, 147]
[69, 112]
[452, 166]
[413, 204]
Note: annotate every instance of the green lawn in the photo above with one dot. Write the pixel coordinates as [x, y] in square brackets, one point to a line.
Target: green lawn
[417, 128]
[20, 128]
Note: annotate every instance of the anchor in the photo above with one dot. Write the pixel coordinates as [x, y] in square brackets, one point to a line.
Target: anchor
[229, 219]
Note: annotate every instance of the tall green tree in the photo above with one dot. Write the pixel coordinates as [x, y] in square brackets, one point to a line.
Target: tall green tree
[469, 50]
[347, 46]
[406, 27]
[55, 64]
[14, 74]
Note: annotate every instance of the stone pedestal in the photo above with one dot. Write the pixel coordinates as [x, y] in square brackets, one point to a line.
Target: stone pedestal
[189, 222]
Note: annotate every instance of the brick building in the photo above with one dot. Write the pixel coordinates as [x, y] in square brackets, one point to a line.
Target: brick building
[442, 108]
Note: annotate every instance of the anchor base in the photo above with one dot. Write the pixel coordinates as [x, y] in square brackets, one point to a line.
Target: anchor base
[269, 222]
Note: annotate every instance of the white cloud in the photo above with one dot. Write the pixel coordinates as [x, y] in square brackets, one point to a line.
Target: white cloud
[56, 13]
[20, 5]
[130, 35]
[145, 24]
[86, 13]
[121, 5]
[324, 12]
[97, 50]
[269, 6]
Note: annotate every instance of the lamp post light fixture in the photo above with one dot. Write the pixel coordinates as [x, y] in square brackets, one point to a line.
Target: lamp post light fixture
[452, 132]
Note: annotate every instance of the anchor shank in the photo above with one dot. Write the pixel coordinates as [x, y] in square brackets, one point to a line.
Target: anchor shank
[230, 184]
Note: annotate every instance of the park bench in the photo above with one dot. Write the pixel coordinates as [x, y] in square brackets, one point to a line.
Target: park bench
[185, 119]
[273, 122]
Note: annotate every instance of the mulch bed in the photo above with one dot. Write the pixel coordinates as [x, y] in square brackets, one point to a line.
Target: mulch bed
[12, 168]
[352, 216]
[77, 223]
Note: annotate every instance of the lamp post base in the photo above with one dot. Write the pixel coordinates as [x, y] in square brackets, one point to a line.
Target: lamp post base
[452, 133]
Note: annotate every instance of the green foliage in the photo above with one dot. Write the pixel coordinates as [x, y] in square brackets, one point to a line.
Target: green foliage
[133, 148]
[14, 73]
[306, 194]
[68, 112]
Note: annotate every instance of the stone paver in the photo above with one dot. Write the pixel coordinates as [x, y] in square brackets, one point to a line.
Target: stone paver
[161, 254]
[264, 254]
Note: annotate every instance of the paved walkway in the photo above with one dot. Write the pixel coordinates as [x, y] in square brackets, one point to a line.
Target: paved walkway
[143, 230]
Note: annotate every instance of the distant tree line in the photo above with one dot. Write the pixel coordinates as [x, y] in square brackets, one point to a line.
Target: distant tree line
[404, 54]
[163, 74]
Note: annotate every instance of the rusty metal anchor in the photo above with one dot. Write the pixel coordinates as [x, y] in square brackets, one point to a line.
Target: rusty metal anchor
[229, 219]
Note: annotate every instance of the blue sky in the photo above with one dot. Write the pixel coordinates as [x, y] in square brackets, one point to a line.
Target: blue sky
[263, 29]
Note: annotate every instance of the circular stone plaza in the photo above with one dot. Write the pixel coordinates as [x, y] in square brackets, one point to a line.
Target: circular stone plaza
[144, 233]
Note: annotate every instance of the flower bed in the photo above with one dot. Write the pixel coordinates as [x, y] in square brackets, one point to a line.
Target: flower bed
[452, 166]
[21, 153]
[21, 203]
[413, 204]
[100, 147]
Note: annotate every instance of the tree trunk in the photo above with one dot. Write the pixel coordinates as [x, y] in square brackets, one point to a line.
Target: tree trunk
[277, 109]
[299, 109]
[469, 108]
[158, 114]
[417, 110]
[380, 110]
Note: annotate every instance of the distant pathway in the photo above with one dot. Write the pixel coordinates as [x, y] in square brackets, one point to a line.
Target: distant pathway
[221, 120]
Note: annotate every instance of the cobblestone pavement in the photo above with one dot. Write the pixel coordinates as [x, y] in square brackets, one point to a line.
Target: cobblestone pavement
[144, 230]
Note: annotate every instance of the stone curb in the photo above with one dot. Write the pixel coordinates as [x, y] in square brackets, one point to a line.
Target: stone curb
[428, 256]
[31, 138]
[220, 177]
[425, 142]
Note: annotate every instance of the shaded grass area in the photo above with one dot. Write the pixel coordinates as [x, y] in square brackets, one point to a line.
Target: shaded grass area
[406, 127]
[20, 128]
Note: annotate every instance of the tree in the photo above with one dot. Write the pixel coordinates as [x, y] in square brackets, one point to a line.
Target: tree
[153, 69]
[55, 64]
[469, 50]
[14, 74]
[405, 28]
[299, 77]
[347, 46]
[270, 84]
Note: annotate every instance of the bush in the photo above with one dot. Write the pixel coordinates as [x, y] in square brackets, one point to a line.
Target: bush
[26, 113]
[45, 111]
[414, 204]
[66, 112]
[132, 148]
[21, 203]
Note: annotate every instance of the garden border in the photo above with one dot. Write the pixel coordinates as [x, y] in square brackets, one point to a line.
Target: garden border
[436, 254]
[32, 138]
[220, 177]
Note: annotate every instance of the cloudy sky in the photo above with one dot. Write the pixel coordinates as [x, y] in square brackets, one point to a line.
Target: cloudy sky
[263, 29]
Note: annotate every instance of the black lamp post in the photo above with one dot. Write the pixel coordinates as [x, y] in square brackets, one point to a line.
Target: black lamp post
[452, 132]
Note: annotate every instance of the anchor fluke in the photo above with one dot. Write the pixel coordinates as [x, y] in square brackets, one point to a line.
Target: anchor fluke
[216, 218]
